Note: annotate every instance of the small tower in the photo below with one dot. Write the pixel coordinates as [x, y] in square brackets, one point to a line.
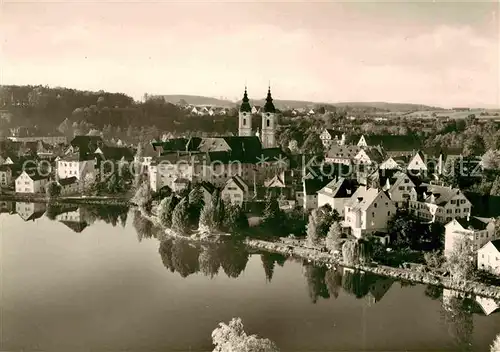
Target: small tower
[269, 123]
[245, 117]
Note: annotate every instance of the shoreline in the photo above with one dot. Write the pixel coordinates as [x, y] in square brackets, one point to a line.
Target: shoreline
[318, 257]
[109, 200]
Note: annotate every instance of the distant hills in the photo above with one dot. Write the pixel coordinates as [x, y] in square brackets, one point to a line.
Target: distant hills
[296, 104]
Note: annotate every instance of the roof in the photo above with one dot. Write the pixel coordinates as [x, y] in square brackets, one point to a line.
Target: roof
[209, 187]
[181, 180]
[36, 215]
[341, 188]
[312, 186]
[343, 151]
[269, 106]
[238, 181]
[75, 225]
[363, 198]
[76, 157]
[85, 141]
[35, 176]
[245, 105]
[374, 154]
[334, 133]
[117, 153]
[495, 243]
[474, 223]
[67, 181]
[439, 195]
[395, 142]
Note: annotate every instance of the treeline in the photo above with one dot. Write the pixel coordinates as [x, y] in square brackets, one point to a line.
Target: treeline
[48, 107]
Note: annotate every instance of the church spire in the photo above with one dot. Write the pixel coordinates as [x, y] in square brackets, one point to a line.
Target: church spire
[245, 102]
[269, 106]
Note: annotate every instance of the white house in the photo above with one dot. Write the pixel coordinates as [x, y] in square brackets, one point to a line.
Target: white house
[368, 211]
[5, 175]
[477, 230]
[417, 164]
[488, 257]
[235, 190]
[337, 193]
[362, 142]
[401, 190]
[329, 137]
[208, 190]
[180, 184]
[33, 183]
[390, 164]
[368, 156]
[75, 165]
[440, 204]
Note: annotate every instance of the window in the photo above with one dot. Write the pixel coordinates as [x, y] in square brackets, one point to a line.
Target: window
[457, 210]
[462, 201]
[375, 205]
[268, 122]
[244, 122]
[373, 215]
[401, 188]
[453, 201]
[388, 213]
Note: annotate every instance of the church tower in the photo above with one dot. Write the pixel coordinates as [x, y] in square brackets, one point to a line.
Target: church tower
[245, 117]
[269, 123]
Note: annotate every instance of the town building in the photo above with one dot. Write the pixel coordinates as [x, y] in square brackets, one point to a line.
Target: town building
[369, 156]
[401, 189]
[76, 164]
[207, 190]
[31, 183]
[235, 190]
[417, 164]
[477, 230]
[488, 257]
[310, 191]
[330, 137]
[439, 204]
[368, 211]
[5, 175]
[52, 140]
[337, 193]
[393, 145]
[68, 185]
[342, 154]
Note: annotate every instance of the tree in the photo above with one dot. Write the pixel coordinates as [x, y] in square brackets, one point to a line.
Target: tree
[235, 218]
[166, 209]
[495, 187]
[180, 216]
[495, 347]
[143, 197]
[114, 184]
[434, 260]
[207, 217]
[350, 252]
[403, 230]
[459, 261]
[491, 160]
[312, 230]
[232, 337]
[195, 203]
[273, 216]
[313, 145]
[53, 189]
[474, 145]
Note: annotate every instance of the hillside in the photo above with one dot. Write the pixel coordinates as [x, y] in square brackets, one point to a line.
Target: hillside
[196, 100]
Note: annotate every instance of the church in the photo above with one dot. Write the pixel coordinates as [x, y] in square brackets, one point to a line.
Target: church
[269, 117]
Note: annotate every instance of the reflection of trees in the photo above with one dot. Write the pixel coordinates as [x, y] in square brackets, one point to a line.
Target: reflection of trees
[165, 251]
[333, 279]
[209, 260]
[107, 213]
[233, 258]
[143, 226]
[185, 258]
[53, 210]
[268, 262]
[315, 277]
[457, 313]
[355, 283]
[433, 292]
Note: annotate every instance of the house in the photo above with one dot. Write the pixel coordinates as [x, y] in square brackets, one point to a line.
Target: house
[180, 184]
[235, 190]
[337, 193]
[30, 211]
[368, 211]
[32, 183]
[417, 164]
[488, 257]
[68, 185]
[5, 175]
[76, 164]
[439, 203]
[329, 137]
[310, 191]
[478, 231]
[341, 154]
[401, 189]
[368, 156]
[282, 183]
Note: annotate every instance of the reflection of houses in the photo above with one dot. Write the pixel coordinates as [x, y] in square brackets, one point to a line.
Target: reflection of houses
[487, 305]
[30, 211]
[7, 207]
[378, 289]
[74, 218]
[478, 231]
[68, 185]
[5, 175]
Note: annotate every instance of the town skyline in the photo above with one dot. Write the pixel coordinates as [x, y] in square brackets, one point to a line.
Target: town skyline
[438, 54]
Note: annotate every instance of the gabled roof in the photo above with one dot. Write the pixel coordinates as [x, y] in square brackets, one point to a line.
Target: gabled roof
[334, 133]
[495, 243]
[363, 198]
[75, 225]
[374, 154]
[341, 188]
[117, 153]
[474, 223]
[312, 186]
[85, 141]
[35, 176]
[439, 195]
[238, 181]
[209, 187]
[343, 151]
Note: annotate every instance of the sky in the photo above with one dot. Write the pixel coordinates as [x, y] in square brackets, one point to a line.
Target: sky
[439, 53]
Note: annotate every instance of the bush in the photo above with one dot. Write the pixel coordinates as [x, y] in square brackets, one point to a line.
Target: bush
[434, 260]
[53, 189]
[166, 209]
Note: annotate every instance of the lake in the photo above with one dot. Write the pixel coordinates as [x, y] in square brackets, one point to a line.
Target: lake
[96, 278]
